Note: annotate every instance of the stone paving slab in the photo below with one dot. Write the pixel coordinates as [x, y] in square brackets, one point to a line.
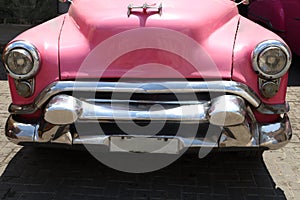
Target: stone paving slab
[30, 173]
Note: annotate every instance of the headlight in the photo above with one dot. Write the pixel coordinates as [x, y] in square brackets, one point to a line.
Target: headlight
[271, 59]
[21, 60]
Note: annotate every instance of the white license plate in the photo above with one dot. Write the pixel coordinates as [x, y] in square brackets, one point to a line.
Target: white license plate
[144, 144]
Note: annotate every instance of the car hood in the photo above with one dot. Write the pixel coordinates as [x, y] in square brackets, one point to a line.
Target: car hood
[191, 39]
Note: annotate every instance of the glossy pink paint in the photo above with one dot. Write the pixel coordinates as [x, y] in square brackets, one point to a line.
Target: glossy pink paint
[280, 16]
[90, 24]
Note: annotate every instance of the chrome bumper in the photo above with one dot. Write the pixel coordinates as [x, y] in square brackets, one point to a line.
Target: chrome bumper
[228, 112]
[270, 136]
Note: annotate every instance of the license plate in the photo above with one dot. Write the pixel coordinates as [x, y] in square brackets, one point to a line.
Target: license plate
[144, 144]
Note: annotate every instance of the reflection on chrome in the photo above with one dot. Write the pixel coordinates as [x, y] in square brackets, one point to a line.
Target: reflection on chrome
[176, 87]
[243, 131]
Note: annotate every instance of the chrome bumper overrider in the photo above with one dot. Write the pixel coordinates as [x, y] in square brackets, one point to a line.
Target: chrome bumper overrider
[231, 112]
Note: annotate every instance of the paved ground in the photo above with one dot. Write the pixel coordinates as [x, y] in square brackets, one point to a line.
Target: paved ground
[28, 173]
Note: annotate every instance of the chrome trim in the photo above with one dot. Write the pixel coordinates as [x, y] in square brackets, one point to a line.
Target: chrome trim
[18, 132]
[145, 6]
[33, 52]
[276, 135]
[186, 113]
[272, 135]
[238, 136]
[230, 87]
[185, 142]
[246, 134]
[143, 101]
[65, 109]
[55, 88]
[263, 46]
[273, 108]
[262, 83]
[47, 132]
[227, 110]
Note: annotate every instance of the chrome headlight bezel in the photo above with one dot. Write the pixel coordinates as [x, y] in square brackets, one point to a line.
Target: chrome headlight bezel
[261, 48]
[29, 48]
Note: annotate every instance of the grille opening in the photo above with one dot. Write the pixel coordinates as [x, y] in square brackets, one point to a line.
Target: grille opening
[168, 128]
[200, 96]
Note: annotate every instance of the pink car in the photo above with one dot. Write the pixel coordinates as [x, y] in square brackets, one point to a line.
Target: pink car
[158, 78]
[280, 16]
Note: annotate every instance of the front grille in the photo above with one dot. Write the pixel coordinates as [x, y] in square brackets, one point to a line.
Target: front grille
[128, 128]
[204, 96]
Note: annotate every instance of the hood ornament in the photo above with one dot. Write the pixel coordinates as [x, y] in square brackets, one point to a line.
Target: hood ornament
[145, 6]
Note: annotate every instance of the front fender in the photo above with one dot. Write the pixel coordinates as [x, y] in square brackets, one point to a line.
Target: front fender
[246, 40]
[45, 38]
